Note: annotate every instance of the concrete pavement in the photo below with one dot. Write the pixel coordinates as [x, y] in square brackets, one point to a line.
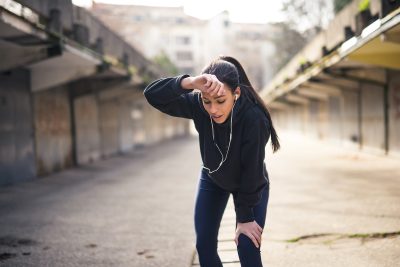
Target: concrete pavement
[130, 210]
[328, 206]
[323, 188]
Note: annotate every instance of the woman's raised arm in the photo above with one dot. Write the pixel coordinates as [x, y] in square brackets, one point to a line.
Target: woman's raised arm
[168, 96]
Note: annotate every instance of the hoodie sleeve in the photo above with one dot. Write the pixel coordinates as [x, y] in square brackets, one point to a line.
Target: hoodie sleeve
[252, 179]
[168, 96]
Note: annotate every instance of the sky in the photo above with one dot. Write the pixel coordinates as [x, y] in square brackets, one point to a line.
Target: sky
[246, 11]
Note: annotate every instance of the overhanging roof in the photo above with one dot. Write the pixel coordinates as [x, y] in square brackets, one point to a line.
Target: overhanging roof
[379, 44]
[377, 47]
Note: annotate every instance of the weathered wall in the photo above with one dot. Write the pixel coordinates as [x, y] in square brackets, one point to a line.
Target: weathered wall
[313, 118]
[350, 131]
[109, 126]
[53, 130]
[394, 113]
[87, 129]
[16, 128]
[372, 117]
[334, 113]
[137, 115]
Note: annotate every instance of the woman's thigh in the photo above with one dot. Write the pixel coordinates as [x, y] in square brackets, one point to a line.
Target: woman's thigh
[260, 213]
[260, 210]
[210, 204]
[249, 254]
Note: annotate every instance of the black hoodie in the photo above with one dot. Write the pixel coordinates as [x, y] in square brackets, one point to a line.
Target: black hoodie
[244, 173]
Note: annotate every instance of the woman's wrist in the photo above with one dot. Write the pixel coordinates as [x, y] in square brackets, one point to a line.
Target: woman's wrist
[186, 83]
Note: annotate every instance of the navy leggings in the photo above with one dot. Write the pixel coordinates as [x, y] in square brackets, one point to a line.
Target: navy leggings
[210, 204]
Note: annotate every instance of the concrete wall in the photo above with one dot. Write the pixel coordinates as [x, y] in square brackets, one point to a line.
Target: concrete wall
[82, 118]
[109, 126]
[159, 126]
[17, 161]
[80, 25]
[86, 115]
[394, 113]
[313, 118]
[355, 118]
[137, 115]
[350, 117]
[44, 8]
[52, 117]
[111, 43]
[296, 120]
[125, 120]
[372, 117]
[334, 113]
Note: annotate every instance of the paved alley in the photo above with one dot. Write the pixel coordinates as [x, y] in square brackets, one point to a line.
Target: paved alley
[328, 206]
[130, 210]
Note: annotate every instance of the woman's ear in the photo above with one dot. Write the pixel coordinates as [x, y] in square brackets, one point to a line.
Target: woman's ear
[237, 91]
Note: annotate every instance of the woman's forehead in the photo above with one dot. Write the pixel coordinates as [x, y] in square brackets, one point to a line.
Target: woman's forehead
[208, 96]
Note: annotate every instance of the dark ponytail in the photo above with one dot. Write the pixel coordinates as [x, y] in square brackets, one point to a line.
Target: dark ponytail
[225, 74]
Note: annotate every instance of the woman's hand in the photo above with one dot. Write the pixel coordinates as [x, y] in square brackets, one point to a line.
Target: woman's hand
[250, 229]
[207, 83]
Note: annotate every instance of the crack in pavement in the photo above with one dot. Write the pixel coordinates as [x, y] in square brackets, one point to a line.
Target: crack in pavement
[363, 236]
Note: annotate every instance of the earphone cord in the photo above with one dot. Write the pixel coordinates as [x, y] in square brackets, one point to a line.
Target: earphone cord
[229, 144]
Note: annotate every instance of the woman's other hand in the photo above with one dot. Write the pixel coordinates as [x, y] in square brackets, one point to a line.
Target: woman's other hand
[206, 83]
[250, 229]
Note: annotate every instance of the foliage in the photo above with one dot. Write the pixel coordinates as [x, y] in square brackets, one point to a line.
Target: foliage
[338, 5]
[363, 5]
[165, 63]
[308, 16]
[287, 42]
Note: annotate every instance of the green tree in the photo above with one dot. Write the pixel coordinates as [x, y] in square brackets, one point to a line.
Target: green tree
[308, 16]
[338, 5]
[165, 63]
[287, 42]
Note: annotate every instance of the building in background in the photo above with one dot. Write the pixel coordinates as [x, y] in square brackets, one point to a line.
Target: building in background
[190, 43]
[156, 31]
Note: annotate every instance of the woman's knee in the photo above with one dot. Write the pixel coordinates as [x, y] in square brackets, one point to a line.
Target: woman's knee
[204, 243]
[246, 244]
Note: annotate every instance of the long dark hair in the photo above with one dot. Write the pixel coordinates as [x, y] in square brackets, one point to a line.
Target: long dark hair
[228, 70]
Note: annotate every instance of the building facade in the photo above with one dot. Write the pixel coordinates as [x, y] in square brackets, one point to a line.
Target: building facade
[189, 42]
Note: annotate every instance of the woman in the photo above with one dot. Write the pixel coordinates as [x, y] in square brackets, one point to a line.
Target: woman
[234, 127]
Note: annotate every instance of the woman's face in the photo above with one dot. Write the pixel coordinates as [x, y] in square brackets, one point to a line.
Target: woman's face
[219, 107]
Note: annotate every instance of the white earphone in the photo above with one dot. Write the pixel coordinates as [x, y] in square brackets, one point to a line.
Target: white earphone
[230, 139]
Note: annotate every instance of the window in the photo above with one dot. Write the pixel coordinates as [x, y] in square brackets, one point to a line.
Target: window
[187, 70]
[184, 55]
[137, 18]
[183, 40]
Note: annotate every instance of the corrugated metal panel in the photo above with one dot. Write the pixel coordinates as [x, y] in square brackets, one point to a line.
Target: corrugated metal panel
[16, 128]
[53, 130]
[323, 117]
[372, 117]
[350, 116]
[109, 127]
[137, 113]
[295, 117]
[126, 141]
[313, 118]
[153, 123]
[87, 129]
[335, 118]
[394, 113]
